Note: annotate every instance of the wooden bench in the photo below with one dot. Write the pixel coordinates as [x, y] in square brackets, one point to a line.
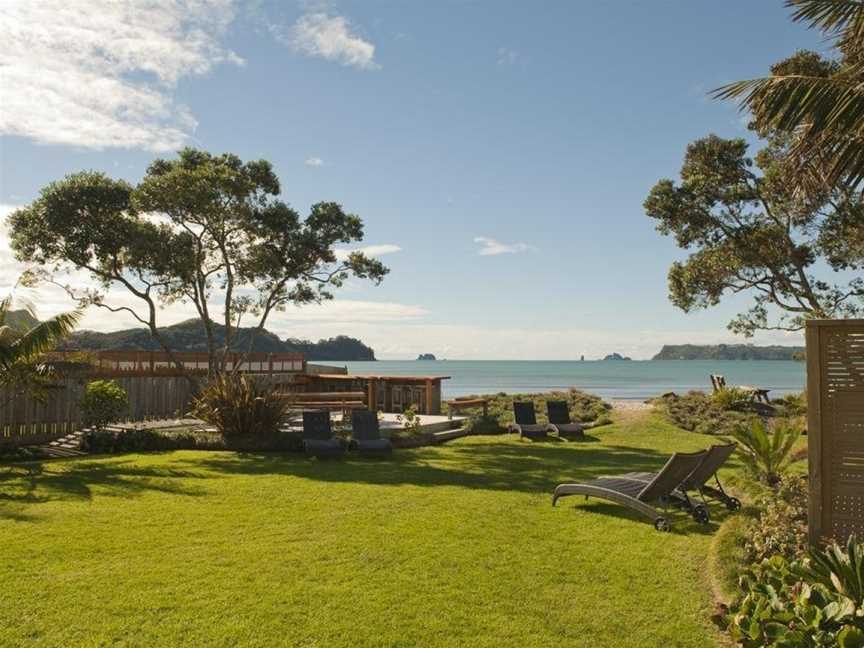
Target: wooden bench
[464, 403]
[332, 401]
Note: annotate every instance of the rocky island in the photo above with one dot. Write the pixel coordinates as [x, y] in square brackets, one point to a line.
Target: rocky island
[616, 356]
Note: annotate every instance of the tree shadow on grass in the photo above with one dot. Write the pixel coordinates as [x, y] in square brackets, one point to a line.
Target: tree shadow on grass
[36, 482]
[529, 467]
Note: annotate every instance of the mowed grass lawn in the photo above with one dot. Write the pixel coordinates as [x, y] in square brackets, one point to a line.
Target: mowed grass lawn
[455, 545]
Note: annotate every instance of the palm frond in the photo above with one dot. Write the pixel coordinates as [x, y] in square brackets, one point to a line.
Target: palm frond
[826, 113]
[833, 17]
[41, 338]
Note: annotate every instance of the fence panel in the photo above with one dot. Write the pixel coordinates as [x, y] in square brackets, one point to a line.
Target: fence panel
[835, 405]
[26, 421]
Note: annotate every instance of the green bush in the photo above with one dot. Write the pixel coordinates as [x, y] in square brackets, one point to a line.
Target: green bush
[782, 525]
[479, 424]
[132, 440]
[104, 402]
[733, 398]
[111, 441]
[767, 449]
[698, 412]
[791, 404]
[814, 601]
[409, 420]
[237, 407]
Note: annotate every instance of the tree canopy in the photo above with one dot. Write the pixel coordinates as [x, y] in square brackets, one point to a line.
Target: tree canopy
[202, 229]
[750, 230]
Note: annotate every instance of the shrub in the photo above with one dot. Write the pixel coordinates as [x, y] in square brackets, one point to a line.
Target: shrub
[104, 402]
[767, 448]
[111, 441]
[733, 398]
[782, 525]
[132, 440]
[237, 407]
[792, 404]
[815, 601]
[698, 412]
[479, 424]
[409, 420]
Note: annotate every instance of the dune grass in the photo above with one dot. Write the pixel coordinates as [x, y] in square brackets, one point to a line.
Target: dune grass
[441, 546]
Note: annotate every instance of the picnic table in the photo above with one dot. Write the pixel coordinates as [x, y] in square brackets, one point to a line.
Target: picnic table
[759, 394]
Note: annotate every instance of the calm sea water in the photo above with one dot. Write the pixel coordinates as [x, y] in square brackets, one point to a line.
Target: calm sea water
[608, 379]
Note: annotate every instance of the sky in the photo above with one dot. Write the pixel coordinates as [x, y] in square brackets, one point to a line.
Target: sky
[498, 152]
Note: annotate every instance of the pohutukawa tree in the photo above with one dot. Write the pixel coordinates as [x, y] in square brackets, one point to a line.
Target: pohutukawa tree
[751, 229]
[207, 230]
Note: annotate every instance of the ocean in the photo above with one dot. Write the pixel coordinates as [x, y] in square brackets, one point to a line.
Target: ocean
[608, 379]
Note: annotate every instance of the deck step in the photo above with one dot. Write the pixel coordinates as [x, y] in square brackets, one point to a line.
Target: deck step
[449, 435]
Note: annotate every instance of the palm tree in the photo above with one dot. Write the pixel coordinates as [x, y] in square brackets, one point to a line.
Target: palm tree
[21, 352]
[826, 113]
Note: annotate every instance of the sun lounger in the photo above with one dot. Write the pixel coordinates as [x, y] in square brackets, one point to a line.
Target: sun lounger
[526, 421]
[638, 495]
[559, 419]
[697, 480]
[318, 439]
[366, 434]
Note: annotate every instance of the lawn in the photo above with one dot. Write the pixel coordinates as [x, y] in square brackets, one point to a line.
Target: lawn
[441, 546]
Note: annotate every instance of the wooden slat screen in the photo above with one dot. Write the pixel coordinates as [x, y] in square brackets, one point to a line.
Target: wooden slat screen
[835, 395]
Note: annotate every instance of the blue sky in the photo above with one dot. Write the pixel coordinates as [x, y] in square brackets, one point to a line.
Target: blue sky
[504, 148]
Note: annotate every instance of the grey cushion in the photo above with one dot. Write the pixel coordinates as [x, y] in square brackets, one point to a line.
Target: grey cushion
[569, 428]
[373, 445]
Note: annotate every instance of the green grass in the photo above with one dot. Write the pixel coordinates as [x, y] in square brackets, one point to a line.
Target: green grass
[441, 546]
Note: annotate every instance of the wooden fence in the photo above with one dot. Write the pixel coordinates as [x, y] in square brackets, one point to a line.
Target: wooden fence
[28, 421]
[835, 410]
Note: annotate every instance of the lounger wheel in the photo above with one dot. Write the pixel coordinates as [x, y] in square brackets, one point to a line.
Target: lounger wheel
[662, 524]
[701, 515]
[734, 504]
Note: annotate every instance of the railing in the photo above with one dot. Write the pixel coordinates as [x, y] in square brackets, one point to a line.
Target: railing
[159, 363]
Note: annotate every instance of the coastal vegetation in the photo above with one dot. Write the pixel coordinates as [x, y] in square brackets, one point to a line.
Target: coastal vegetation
[748, 228]
[728, 352]
[584, 407]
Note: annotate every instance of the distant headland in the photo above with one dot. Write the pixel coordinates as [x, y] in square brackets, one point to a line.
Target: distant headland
[728, 352]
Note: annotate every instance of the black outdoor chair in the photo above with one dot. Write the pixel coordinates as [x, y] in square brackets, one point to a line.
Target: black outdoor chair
[366, 434]
[526, 421]
[636, 494]
[318, 439]
[559, 419]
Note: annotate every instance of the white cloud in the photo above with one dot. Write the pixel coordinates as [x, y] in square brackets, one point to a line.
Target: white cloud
[330, 37]
[99, 76]
[369, 250]
[314, 162]
[507, 56]
[491, 247]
